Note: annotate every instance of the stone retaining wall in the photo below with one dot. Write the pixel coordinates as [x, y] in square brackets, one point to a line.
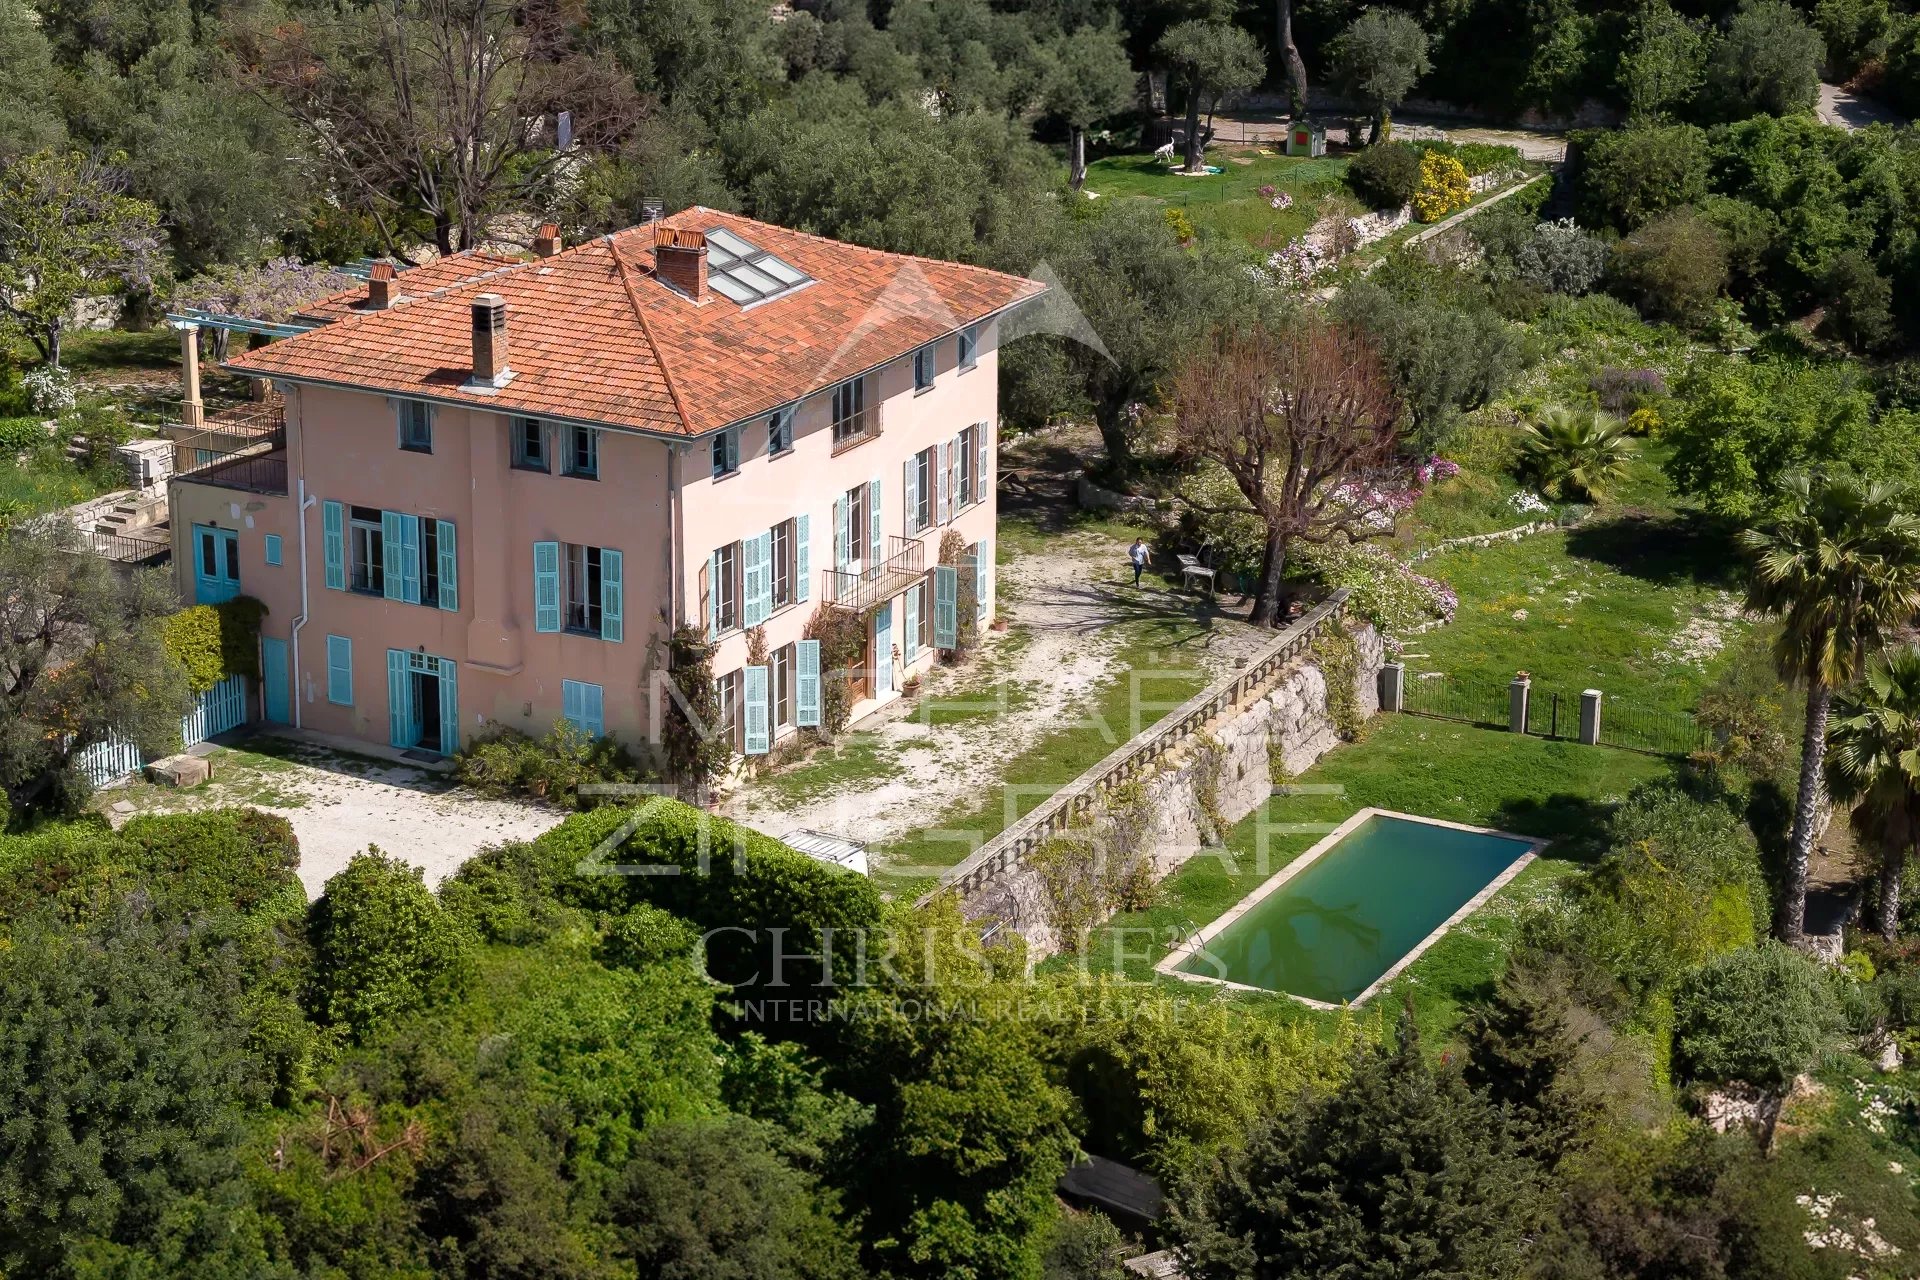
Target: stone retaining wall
[1287, 723]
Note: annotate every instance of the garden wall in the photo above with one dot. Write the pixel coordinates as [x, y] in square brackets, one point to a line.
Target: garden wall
[1228, 742]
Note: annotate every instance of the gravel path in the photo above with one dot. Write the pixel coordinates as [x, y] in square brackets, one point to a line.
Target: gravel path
[1064, 606]
[1842, 107]
[340, 804]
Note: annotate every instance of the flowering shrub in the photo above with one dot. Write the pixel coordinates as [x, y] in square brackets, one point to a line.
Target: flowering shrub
[1528, 504]
[1299, 262]
[1443, 187]
[1645, 422]
[1276, 197]
[1621, 391]
[1386, 592]
[1377, 506]
[49, 390]
[1436, 468]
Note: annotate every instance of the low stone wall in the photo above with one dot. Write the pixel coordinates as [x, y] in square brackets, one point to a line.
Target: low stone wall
[1287, 723]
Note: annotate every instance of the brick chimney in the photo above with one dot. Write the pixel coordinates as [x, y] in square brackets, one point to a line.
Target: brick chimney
[546, 241]
[490, 340]
[380, 289]
[680, 259]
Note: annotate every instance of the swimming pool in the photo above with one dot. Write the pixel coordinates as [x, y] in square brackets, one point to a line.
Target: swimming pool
[1344, 918]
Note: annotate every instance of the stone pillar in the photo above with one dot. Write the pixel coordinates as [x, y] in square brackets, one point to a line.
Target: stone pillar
[190, 411]
[1517, 705]
[1393, 687]
[1590, 718]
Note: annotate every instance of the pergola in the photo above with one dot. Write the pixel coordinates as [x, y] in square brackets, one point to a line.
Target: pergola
[189, 321]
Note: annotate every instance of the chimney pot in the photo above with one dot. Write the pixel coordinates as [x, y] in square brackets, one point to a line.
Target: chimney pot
[546, 241]
[380, 279]
[680, 259]
[490, 340]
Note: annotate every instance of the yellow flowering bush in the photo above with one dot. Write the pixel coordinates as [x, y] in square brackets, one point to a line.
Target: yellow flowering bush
[1443, 187]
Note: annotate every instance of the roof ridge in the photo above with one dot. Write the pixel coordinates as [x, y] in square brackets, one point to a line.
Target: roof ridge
[848, 244]
[621, 266]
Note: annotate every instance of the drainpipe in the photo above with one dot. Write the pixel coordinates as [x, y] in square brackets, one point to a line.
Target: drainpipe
[673, 535]
[300, 516]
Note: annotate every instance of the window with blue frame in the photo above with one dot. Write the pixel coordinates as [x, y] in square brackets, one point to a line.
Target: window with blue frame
[392, 554]
[416, 425]
[340, 670]
[271, 554]
[529, 444]
[780, 431]
[578, 589]
[969, 347]
[583, 704]
[923, 368]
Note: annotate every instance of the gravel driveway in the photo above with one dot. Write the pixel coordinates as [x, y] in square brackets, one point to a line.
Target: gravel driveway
[339, 804]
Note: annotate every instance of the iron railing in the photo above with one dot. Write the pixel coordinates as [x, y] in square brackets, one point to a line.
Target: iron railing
[1660, 731]
[1445, 697]
[207, 457]
[905, 565]
[134, 546]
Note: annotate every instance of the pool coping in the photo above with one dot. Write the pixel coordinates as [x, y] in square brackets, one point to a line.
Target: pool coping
[1168, 966]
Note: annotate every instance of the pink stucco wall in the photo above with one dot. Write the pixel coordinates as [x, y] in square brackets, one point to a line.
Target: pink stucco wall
[343, 445]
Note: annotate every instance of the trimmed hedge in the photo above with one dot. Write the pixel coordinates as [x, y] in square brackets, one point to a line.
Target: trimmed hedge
[214, 641]
[1386, 174]
[238, 858]
[384, 946]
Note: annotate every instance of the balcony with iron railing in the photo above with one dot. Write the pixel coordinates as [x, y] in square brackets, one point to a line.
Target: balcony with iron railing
[875, 584]
[257, 465]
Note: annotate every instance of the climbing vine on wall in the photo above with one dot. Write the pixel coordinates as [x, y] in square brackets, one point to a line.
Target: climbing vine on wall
[214, 641]
[1209, 763]
[1093, 869]
[842, 634]
[953, 551]
[1337, 654]
[693, 753]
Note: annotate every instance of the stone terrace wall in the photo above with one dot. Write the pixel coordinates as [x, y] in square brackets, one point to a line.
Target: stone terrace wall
[1281, 715]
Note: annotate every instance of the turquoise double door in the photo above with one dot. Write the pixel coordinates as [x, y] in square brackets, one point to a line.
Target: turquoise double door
[216, 564]
[423, 702]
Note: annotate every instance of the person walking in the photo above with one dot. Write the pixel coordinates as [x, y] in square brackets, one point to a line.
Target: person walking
[1137, 554]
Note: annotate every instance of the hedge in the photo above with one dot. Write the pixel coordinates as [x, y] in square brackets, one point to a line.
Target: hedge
[239, 858]
[214, 641]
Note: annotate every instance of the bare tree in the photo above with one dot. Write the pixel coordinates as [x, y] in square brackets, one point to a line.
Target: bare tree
[1304, 423]
[445, 110]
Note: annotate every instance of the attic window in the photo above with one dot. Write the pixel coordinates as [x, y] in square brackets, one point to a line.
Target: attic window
[745, 274]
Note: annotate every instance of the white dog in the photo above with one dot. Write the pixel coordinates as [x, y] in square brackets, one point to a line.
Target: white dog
[1165, 152]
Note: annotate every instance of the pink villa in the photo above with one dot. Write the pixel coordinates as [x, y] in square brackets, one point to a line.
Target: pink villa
[485, 489]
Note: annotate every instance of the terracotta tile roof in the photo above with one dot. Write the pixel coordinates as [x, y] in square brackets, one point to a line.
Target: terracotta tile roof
[593, 336]
[425, 278]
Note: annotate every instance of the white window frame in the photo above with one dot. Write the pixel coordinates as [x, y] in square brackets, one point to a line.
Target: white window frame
[727, 604]
[374, 535]
[926, 368]
[580, 567]
[847, 406]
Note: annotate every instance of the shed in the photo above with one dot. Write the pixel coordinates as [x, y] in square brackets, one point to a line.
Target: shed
[1113, 1187]
[1306, 139]
[822, 847]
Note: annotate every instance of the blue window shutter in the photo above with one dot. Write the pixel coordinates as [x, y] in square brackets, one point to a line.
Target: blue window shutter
[449, 567]
[570, 701]
[875, 539]
[272, 553]
[449, 707]
[613, 596]
[399, 712]
[593, 707]
[340, 670]
[802, 556]
[946, 607]
[983, 577]
[758, 740]
[840, 540]
[546, 586]
[910, 625]
[752, 569]
[391, 555]
[410, 559]
[806, 684]
[334, 524]
[910, 489]
[713, 595]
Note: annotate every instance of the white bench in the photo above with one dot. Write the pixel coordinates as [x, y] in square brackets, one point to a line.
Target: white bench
[1191, 568]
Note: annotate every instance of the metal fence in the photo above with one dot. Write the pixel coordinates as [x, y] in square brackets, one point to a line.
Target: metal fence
[1444, 697]
[219, 709]
[135, 546]
[1656, 730]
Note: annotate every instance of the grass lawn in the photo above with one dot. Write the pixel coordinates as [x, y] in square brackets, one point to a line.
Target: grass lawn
[36, 488]
[98, 354]
[1432, 768]
[1230, 201]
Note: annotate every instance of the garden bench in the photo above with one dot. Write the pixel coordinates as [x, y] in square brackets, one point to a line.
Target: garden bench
[1191, 568]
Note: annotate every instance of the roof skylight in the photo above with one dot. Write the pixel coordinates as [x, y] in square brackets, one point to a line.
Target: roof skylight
[746, 273]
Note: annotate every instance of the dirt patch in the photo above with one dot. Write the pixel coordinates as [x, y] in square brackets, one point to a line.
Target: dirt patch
[339, 804]
[1067, 606]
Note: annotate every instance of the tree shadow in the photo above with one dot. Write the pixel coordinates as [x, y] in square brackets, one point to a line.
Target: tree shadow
[1667, 550]
[1576, 824]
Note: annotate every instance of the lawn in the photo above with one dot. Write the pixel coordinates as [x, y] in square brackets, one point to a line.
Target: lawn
[36, 488]
[1230, 201]
[1530, 786]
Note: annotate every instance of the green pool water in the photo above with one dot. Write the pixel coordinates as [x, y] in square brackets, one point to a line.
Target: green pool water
[1335, 927]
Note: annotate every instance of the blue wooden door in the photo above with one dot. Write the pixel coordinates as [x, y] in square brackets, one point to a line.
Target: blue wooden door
[216, 564]
[274, 688]
[883, 649]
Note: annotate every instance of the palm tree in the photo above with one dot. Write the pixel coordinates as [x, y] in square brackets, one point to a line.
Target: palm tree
[1840, 568]
[1579, 453]
[1873, 763]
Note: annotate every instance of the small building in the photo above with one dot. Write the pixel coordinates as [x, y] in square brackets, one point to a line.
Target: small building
[1306, 138]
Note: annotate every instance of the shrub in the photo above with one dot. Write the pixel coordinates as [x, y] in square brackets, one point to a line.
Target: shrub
[1767, 62]
[1623, 391]
[1385, 175]
[1630, 175]
[49, 390]
[1674, 267]
[1561, 257]
[238, 858]
[1757, 1016]
[1576, 454]
[644, 936]
[1443, 187]
[1386, 592]
[1859, 302]
[842, 636]
[214, 641]
[506, 762]
[20, 435]
[383, 946]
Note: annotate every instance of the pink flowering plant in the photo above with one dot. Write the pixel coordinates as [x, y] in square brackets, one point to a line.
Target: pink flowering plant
[1436, 468]
[1386, 591]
